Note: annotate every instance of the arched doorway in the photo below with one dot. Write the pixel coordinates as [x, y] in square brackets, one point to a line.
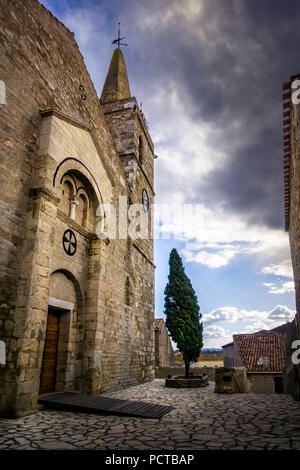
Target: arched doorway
[56, 363]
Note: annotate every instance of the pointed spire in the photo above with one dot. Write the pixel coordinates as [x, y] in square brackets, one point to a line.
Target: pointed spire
[116, 86]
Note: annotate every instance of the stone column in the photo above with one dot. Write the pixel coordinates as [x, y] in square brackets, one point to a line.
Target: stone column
[21, 387]
[73, 205]
[94, 315]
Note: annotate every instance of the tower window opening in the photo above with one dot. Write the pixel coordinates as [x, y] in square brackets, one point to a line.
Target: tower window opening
[141, 150]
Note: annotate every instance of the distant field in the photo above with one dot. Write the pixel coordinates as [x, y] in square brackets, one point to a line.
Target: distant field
[211, 357]
[209, 360]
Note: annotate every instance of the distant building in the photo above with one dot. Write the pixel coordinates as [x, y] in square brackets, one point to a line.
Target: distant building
[263, 356]
[231, 355]
[164, 354]
[178, 359]
[291, 149]
[210, 358]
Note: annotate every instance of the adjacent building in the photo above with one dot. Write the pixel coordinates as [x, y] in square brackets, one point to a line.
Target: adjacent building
[164, 353]
[291, 152]
[263, 356]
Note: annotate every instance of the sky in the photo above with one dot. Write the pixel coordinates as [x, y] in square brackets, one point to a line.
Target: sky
[209, 75]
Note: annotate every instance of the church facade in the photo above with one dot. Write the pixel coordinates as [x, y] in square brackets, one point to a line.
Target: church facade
[76, 303]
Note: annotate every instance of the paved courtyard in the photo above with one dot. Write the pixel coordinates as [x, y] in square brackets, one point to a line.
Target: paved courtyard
[200, 420]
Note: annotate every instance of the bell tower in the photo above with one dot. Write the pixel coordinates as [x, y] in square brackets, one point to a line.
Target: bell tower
[136, 152]
[128, 128]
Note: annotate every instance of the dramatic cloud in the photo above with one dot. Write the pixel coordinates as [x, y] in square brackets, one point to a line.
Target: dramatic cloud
[283, 269]
[213, 260]
[226, 62]
[215, 332]
[241, 321]
[216, 336]
[209, 74]
[280, 312]
[288, 286]
[228, 314]
[211, 65]
[233, 315]
[219, 237]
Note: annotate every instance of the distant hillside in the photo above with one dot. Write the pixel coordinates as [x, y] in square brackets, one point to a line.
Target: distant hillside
[211, 351]
[207, 351]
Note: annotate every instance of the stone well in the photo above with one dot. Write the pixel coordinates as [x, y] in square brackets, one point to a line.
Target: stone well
[194, 381]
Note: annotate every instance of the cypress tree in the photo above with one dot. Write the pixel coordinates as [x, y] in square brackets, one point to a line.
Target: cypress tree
[182, 312]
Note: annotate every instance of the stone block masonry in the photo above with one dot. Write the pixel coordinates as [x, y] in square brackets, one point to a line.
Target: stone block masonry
[291, 122]
[199, 420]
[59, 150]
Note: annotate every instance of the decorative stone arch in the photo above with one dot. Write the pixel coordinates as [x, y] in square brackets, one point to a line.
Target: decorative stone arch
[70, 277]
[70, 181]
[75, 165]
[66, 303]
[81, 191]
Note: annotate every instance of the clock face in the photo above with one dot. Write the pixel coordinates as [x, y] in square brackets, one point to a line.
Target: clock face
[145, 200]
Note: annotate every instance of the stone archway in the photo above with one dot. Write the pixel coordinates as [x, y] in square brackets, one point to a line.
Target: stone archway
[59, 357]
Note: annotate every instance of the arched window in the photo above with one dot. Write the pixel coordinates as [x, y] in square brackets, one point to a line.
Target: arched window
[141, 150]
[77, 199]
[68, 193]
[81, 211]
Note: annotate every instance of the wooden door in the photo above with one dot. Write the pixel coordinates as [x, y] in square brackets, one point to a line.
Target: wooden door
[48, 373]
[278, 382]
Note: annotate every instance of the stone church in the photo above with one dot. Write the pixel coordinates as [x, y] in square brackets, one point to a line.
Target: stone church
[76, 309]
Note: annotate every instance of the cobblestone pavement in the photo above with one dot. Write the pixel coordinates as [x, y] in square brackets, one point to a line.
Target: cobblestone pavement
[200, 419]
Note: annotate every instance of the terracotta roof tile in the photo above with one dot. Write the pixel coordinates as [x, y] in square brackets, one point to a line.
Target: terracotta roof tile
[227, 344]
[262, 345]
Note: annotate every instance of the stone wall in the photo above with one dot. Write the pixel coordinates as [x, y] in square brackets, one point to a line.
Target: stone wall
[292, 188]
[164, 354]
[262, 383]
[231, 380]
[294, 216]
[232, 356]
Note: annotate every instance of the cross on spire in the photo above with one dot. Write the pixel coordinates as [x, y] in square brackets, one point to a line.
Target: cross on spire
[118, 41]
